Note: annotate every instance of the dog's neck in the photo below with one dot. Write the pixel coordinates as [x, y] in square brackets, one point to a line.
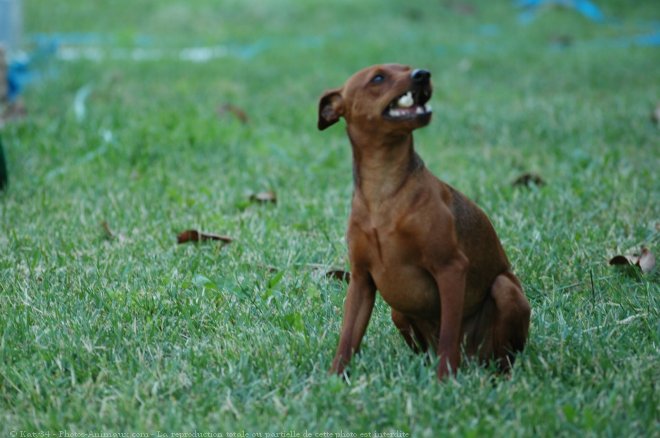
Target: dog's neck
[382, 165]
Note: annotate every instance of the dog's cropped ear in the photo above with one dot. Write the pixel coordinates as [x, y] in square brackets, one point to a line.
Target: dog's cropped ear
[331, 107]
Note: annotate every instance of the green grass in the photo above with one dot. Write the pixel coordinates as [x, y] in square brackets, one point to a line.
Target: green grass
[138, 333]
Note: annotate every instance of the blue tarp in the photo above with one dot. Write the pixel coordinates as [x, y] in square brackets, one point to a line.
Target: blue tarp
[585, 7]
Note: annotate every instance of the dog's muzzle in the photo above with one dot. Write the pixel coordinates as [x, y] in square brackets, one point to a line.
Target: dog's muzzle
[413, 103]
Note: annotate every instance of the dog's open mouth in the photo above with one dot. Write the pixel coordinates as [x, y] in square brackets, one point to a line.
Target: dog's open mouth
[409, 105]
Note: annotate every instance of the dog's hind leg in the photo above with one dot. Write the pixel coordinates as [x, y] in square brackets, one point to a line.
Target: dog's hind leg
[510, 324]
[499, 329]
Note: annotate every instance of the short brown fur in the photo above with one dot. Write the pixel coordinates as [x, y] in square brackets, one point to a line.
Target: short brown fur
[430, 251]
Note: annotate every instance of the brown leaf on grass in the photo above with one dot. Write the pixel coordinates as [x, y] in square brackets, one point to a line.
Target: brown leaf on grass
[338, 274]
[264, 197]
[527, 179]
[655, 115]
[107, 232]
[198, 236]
[644, 261]
[461, 8]
[561, 40]
[239, 113]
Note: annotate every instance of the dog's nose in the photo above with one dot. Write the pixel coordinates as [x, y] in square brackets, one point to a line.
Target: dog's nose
[420, 76]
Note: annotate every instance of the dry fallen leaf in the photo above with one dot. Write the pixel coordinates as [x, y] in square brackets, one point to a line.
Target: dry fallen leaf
[644, 261]
[108, 234]
[561, 40]
[339, 274]
[198, 236]
[461, 8]
[527, 179]
[107, 231]
[239, 113]
[655, 115]
[268, 196]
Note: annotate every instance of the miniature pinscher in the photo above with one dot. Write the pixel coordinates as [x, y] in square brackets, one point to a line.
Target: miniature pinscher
[431, 252]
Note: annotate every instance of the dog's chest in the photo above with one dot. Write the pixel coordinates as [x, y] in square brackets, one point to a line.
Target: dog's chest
[395, 266]
[392, 235]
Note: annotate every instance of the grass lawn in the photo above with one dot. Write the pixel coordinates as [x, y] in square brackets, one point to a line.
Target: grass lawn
[134, 333]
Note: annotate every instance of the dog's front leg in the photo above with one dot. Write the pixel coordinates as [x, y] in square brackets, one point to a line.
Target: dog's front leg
[357, 311]
[450, 278]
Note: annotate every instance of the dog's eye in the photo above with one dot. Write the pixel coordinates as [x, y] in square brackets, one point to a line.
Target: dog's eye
[378, 79]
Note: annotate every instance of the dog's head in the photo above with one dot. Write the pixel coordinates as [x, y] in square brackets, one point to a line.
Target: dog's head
[388, 97]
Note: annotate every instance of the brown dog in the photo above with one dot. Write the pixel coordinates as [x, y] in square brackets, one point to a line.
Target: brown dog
[431, 252]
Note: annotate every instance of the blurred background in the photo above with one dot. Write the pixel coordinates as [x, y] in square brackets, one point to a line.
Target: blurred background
[125, 122]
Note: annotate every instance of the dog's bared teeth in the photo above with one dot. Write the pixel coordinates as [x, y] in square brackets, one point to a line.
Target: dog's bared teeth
[406, 101]
[398, 112]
